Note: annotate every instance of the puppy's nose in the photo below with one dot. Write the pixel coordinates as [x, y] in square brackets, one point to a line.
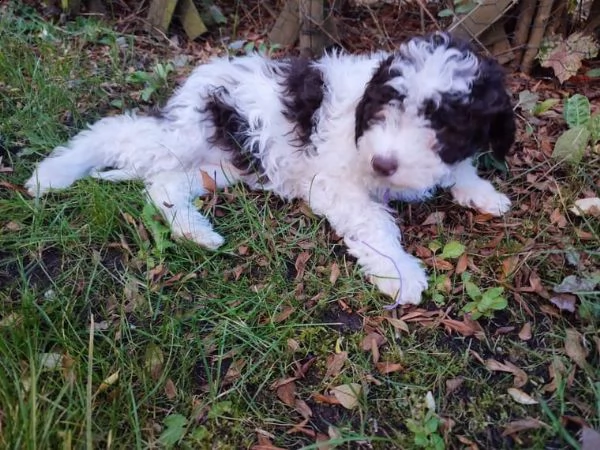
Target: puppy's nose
[384, 165]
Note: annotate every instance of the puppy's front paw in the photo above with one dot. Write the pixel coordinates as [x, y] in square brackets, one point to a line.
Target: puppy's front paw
[205, 238]
[404, 282]
[484, 198]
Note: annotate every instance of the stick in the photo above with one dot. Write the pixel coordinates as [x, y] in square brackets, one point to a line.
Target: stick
[537, 34]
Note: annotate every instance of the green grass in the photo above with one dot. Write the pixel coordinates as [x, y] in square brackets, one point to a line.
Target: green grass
[187, 343]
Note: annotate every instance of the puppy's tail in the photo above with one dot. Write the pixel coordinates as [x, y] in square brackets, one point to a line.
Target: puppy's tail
[98, 147]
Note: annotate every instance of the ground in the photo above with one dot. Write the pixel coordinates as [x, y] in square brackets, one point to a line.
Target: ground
[114, 336]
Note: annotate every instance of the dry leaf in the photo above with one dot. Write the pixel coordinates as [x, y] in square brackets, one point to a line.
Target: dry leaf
[525, 333]
[590, 439]
[385, 367]
[372, 342]
[564, 302]
[13, 226]
[575, 349]
[293, 345]
[234, 372]
[284, 314]
[587, 207]
[51, 361]
[287, 393]
[398, 324]
[302, 407]
[154, 359]
[335, 273]
[558, 218]
[435, 218]
[322, 442]
[508, 266]
[335, 363]
[208, 182]
[453, 384]
[347, 394]
[327, 399]
[243, 250]
[521, 397]
[461, 264]
[300, 264]
[109, 381]
[68, 369]
[556, 370]
[264, 442]
[467, 327]
[522, 425]
[520, 376]
[170, 389]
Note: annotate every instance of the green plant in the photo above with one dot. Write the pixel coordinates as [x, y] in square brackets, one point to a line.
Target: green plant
[483, 303]
[459, 7]
[425, 431]
[584, 129]
[153, 81]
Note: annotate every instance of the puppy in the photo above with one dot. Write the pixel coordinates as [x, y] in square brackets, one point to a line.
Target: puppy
[343, 133]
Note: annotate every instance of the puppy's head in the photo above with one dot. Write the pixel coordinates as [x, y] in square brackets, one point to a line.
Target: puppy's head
[431, 104]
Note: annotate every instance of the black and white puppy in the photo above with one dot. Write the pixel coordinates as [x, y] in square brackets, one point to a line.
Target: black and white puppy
[343, 133]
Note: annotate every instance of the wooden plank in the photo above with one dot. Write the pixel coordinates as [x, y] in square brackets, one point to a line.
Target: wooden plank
[160, 13]
[496, 40]
[482, 17]
[312, 39]
[190, 19]
[286, 30]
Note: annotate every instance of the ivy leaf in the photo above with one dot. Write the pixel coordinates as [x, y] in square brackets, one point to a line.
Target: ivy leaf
[564, 56]
[577, 111]
[452, 249]
[175, 428]
[594, 127]
[570, 146]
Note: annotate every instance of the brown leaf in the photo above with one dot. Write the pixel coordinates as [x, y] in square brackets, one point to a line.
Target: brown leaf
[287, 393]
[467, 327]
[327, 399]
[522, 425]
[385, 367]
[520, 376]
[372, 342]
[462, 264]
[453, 384]
[564, 302]
[525, 333]
[348, 394]
[234, 372]
[504, 330]
[264, 443]
[13, 226]
[435, 218]
[398, 324]
[335, 273]
[302, 407]
[558, 218]
[300, 264]
[68, 369]
[575, 349]
[508, 266]
[335, 363]
[556, 370]
[464, 440]
[521, 397]
[208, 182]
[284, 314]
[440, 264]
[170, 389]
[293, 345]
[243, 250]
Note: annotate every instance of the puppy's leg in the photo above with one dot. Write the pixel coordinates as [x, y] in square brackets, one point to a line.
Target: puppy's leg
[174, 192]
[472, 191]
[371, 235]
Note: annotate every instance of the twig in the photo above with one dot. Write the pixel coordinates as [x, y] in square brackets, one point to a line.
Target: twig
[433, 19]
[522, 28]
[537, 34]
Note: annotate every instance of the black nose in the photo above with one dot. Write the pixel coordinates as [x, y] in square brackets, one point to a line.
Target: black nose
[384, 166]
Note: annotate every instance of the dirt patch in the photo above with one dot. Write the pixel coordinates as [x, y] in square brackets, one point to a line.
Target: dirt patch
[342, 321]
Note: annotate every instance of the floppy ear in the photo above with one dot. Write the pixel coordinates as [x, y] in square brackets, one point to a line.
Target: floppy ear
[491, 100]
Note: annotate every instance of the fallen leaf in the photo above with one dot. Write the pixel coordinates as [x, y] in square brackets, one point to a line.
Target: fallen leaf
[509, 265]
[466, 327]
[335, 363]
[385, 367]
[558, 218]
[327, 399]
[462, 264]
[293, 345]
[234, 372]
[398, 324]
[453, 384]
[109, 381]
[556, 370]
[525, 333]
[322, 442]
[153, 361]
[170, 389]
[521, 397]
[587, 207]
[208, 182]
[575, 349]
[264, 443]
[51, 361]
[520, 376]
[590, 439]
[300, 264]
[517, 426]
[435, 218]
[287, 393]
[335, 273]
[348, 394]
[302, 407]
[573, 284]
[284, 314]
[13, 226]
[243, 250]
[564, 302]
[372, 342]
[68, 369]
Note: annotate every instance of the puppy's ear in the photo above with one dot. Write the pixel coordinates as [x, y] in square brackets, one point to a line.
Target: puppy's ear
[491, 100]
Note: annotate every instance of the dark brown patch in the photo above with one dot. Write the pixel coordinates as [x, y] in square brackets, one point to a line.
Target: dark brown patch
[342, 321]
[232, 133]
[303, 85]
[377, 95]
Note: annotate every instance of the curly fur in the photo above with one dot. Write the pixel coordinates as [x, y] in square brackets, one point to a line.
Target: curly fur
[338, 132]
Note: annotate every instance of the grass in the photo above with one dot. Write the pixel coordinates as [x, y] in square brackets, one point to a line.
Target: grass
[186, 344]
